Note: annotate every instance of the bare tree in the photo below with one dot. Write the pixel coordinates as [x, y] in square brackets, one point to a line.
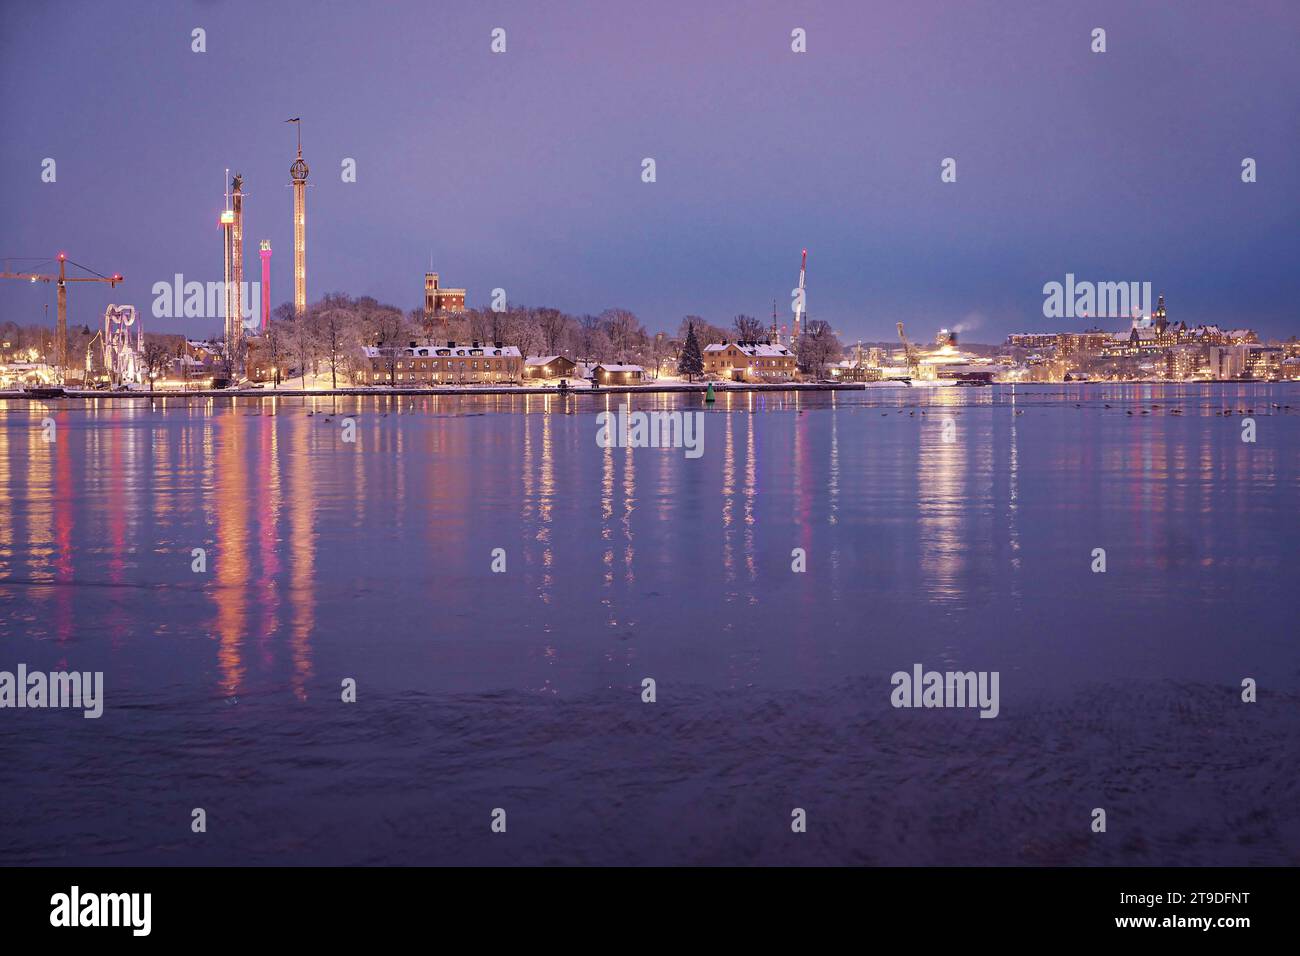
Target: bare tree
[302, 335]
[818, 347]
[156, 357]
[624, 331]
[279, 345]
[747, 328]
[389, 328]
[706, 334]
[527, 334]
[552, 324]
[335, 331]
[598, 346]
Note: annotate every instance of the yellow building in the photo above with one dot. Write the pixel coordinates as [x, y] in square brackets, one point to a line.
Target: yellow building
[749, 362]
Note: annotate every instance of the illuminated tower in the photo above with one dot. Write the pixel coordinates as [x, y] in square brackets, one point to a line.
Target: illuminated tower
[227, 252]
[298, 174]
[234, 291]
[266, 282]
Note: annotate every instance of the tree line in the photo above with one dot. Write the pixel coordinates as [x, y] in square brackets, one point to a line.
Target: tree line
[329, 336]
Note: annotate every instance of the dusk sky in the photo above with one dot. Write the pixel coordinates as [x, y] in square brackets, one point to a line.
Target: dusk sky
[523, 170]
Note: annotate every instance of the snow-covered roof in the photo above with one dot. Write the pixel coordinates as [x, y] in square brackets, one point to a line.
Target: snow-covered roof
[541, 359]
[442, 351]
[620, 368]
[753, 349]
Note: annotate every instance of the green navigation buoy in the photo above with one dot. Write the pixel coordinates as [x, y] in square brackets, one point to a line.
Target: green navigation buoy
[709, 396]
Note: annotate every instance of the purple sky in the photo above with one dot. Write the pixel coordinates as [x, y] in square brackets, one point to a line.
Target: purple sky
[522, 170]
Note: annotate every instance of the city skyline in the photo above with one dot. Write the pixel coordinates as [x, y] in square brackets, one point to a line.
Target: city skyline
[741, 434]
[522, 170]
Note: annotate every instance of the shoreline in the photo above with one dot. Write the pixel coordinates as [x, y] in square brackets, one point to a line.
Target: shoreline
[663, 388]
[651, 388]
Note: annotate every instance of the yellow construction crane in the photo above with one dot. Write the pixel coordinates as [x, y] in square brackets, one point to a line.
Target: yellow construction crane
[61, 329]
[909, 351]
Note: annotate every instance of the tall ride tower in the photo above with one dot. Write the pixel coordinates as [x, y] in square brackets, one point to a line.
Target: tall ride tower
[227, 254]
[298, 175]
[266, 282]
[234, 291]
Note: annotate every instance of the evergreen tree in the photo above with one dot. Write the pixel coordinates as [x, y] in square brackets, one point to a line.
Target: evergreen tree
[691, 362]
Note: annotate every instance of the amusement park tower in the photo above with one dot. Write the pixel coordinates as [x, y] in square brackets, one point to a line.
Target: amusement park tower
[266, 282]
[298, 174]
[232, 228]
[235, 316]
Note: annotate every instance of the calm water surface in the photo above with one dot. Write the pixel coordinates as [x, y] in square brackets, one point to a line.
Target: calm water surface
[329, 560]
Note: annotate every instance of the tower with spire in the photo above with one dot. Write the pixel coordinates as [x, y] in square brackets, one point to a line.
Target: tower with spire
[298, 179]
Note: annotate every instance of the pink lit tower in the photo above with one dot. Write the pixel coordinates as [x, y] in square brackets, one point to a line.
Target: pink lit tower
[266, 283]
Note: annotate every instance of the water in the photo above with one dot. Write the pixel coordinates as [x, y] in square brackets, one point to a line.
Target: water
[328, 560]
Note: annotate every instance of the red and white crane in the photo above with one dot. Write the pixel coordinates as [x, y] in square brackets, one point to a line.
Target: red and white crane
[800, 306]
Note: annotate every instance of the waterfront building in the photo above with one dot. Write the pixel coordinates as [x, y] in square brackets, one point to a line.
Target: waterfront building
[1033, 341]
[1187, 362]
[1245, 361]
[749, 361]
[549, 366]
[1264, 361]
[855, 370]
[610, 374]
[415, 365]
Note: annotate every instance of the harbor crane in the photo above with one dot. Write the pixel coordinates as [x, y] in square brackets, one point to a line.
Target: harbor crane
[62, 279]
[912, 358]
[800, 304]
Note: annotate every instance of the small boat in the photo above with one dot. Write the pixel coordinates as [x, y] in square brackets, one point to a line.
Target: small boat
[45, 391]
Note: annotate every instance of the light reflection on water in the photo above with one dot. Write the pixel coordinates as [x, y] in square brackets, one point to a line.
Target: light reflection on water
[329, 560]
[899, 525]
